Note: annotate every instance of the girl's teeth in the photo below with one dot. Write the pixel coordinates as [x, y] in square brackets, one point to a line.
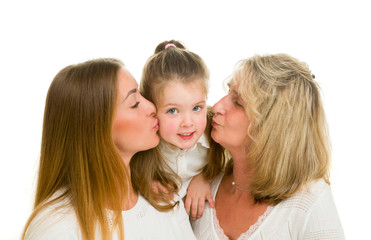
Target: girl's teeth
[185, 134]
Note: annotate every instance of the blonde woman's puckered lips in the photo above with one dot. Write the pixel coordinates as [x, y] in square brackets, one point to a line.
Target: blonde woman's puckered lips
[215, 123]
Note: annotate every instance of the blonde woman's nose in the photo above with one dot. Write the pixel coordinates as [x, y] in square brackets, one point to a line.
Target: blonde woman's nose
[218, 107]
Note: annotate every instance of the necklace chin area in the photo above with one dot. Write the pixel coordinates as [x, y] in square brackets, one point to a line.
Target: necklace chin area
[234, 184]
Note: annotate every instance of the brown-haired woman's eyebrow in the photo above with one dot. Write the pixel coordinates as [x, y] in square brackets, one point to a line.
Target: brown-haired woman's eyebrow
[130, 92]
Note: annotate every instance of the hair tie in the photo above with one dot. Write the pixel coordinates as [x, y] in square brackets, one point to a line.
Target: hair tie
[169, 45]
[313, 76]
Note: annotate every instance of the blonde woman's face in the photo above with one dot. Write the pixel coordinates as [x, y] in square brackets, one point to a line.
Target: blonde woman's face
[230, 122]
[182, 113]
[134, 126]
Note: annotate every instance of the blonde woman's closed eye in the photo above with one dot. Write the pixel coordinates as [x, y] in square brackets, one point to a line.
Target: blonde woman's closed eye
[237, 103]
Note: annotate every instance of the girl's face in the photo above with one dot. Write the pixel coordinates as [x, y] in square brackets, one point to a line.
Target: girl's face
[182, 113]
[230, 122]
[134, 126]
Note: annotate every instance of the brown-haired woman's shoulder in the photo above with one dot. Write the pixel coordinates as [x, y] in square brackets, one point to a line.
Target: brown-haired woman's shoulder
[56, 221]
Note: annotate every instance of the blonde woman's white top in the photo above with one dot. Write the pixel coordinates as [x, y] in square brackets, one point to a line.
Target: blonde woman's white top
[143, 221]
[187, 162]
[309, 214]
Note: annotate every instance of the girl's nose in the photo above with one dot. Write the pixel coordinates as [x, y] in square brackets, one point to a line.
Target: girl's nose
[187, 120]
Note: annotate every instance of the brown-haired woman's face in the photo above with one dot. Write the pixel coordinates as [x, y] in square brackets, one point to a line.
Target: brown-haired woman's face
[230, 122]
[135, 125]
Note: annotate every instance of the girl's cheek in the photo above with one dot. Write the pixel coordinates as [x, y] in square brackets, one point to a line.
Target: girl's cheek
[201, 123]
[168, 127]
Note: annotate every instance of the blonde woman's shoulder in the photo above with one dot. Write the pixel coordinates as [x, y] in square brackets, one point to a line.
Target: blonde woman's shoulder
[305, 198]
[309, 213]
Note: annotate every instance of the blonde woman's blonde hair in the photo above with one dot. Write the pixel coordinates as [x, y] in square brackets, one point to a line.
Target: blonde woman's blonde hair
[78, 155]
[290, 144]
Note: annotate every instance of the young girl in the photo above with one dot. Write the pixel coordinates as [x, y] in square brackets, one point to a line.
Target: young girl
[176, 80]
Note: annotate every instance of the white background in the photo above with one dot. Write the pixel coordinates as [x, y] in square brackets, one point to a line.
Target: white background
[38, 38]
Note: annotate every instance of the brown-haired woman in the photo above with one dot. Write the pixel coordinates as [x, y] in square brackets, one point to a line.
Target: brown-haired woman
[276, 185]
[95, 120]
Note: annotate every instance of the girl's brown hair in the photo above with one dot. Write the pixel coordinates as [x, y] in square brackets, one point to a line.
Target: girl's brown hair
[171, 61]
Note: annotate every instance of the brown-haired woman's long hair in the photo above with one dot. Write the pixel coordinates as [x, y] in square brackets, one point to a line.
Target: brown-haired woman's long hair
[290, 145]
[78, 155]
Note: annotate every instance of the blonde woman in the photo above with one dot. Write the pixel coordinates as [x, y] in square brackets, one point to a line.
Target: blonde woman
[276, 185]
[95, 120]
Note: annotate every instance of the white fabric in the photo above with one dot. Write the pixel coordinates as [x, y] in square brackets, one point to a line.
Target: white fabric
[187, 162]
[143, 221]
[220, 233]
[310, 214]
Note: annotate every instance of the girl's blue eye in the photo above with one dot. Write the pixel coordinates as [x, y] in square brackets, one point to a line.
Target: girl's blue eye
[197, 108]
[172, 111]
